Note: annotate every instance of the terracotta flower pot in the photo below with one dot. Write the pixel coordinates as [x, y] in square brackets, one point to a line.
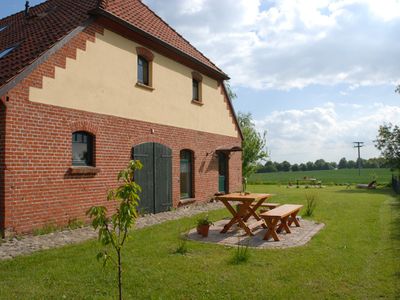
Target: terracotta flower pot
[203, 230]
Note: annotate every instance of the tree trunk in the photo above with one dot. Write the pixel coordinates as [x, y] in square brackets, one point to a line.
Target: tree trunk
[119, 275]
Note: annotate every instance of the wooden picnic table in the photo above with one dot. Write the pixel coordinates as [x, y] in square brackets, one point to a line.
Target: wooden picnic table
[249, 203]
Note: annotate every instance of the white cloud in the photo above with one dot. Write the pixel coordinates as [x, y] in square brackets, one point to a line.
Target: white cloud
[324, 132]
[293, 43]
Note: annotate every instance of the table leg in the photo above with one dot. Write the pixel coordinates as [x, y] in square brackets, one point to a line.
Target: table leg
[243, 212]
[252, 211]
[271, 225]
[234, 213]
[284, 225]
[293, 219]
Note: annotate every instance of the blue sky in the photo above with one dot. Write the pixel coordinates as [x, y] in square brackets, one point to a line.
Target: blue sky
[8, 7]
[317, 75]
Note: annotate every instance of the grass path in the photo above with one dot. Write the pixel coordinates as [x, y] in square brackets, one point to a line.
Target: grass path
[355, 256]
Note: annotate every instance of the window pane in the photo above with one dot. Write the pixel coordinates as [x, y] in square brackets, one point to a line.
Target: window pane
[143, 71]
[79, 153]
[195, 90]
[6, 51]
[82, 149]
[186, 174]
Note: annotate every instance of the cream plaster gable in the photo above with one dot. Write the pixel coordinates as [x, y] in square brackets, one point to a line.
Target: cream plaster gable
[103, 78]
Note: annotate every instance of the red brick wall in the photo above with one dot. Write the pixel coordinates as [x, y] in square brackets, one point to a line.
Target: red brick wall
[2, 161]
[38, 189]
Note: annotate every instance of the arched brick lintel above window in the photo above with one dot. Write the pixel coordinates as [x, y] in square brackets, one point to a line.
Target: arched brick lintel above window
[146, 53]
[197, 76]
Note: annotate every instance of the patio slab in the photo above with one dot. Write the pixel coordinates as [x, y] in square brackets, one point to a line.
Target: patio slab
[299, 236]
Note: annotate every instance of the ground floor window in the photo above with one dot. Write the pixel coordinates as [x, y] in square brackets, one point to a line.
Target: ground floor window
[82, 149]
[186, 173]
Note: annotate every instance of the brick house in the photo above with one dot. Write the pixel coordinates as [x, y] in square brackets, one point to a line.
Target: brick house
[87, 85]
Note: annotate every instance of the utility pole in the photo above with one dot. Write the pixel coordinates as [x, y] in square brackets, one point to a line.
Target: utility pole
[359, 145]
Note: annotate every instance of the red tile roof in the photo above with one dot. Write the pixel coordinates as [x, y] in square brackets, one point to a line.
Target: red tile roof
[33, 36]
[142, 17]
[54, 19]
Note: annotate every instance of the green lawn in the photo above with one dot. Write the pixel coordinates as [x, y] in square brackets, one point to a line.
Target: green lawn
[342, 176]
[355, 256]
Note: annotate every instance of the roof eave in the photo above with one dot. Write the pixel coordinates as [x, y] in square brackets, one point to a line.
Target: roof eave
[122, 22]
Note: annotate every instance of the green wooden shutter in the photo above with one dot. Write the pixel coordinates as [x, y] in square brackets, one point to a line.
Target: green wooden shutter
[163, 177]
[144, 177]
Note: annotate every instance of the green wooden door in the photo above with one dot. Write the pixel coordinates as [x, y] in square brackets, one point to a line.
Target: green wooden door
[145, 177]
[155, 178]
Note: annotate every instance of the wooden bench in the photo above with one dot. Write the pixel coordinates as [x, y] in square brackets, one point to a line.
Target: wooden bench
[286, 214]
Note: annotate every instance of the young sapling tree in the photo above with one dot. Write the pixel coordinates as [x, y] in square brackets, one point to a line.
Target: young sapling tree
[114, 229]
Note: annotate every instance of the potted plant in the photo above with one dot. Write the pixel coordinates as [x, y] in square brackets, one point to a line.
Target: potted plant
[203, 225]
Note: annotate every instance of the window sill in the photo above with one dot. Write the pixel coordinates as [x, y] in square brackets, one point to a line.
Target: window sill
[197, 102]
[186, 201]
[78, 170]
[144, 86]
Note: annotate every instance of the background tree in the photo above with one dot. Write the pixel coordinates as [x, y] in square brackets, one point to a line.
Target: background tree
[310, 166]
[295, 167]
[351, 164]
[270, 167]
[342, 163]
[254, 145]
[303, 167]
[332, 165]
[321, 164]
[388, 142]
[285, 166]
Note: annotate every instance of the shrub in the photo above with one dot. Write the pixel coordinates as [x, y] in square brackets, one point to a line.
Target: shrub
[311, 203]
[241, 255]
[182, 244]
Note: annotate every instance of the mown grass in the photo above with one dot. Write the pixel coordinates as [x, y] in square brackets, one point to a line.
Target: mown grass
[355, 256]
[328, 177]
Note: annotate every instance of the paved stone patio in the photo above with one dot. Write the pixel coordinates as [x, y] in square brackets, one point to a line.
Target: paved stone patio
[299, 236]
[29, 244]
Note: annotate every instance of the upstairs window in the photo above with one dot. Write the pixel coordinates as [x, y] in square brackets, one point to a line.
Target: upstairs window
[145, 68]
[2, 27]
[143, 71]
[197, 88]
[82, 149]
[4, 52]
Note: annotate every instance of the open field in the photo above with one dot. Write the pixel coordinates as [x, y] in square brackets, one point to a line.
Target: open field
[355, 256]
[328, 177]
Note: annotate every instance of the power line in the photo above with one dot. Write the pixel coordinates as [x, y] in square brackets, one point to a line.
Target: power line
[358, 145]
